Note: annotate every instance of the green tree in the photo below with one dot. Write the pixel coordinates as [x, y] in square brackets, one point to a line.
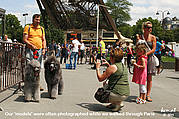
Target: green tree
[167, 36]
[156, 26]
[157, 30]
[126, 30]
[55, 34]
[51, 32]
[176, 35]
[13, 28]
[119, 10]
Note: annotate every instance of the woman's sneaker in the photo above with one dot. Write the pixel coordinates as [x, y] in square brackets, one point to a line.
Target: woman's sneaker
[138, 100]
[143, 101]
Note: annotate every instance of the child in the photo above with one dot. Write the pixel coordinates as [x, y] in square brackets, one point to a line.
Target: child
[140, 72]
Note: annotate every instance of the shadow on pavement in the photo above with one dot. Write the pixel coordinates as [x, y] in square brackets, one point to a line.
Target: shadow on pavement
[19, 99]
[168, 114]
[44, 95]
[94, 107]
[131, 99]
[173, 78]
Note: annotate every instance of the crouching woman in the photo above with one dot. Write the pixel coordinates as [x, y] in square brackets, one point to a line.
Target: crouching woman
[115, 79]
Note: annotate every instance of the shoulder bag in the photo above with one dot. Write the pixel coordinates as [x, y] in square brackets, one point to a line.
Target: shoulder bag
[154, 60]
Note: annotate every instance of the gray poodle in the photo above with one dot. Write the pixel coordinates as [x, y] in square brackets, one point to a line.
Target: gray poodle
[53, 77]
[32, 81]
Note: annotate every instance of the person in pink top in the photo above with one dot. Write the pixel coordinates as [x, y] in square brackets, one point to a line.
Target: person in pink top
[140, 72]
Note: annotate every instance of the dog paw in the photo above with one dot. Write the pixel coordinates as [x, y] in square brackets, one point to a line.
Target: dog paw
[60, 93]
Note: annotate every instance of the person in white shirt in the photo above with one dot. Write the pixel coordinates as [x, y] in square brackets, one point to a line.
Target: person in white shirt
[81, 52]
[75, 48]
[8, 47]
[6, 39]
[8, 51]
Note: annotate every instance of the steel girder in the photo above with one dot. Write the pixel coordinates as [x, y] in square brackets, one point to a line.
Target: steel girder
[77, 14]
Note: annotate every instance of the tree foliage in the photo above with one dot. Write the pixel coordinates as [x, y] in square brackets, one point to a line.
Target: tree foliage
[52, 33]
[157, 30]
[13, 28]
[119, 10]
[176, 35]
[126, 30]
[156, 27]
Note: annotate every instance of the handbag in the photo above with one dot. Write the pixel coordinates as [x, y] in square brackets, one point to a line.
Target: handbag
[154, 59]
[102, 94]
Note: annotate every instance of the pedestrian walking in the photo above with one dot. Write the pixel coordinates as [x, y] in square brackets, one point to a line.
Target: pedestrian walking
[101, 51]
[81, 52]
[64, 53]
[34, 37]
[58, 50]
[129, 54]
[75, 48]
[158, 53]
[52, 49]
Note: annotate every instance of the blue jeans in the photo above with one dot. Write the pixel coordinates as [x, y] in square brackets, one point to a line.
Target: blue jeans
[75, 56]
[30, 56]
[58, 53]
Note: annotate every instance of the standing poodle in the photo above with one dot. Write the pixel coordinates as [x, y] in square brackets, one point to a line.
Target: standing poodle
[53, 77]
[32, 81]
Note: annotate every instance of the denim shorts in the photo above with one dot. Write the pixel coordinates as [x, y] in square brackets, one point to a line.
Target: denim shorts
[30, 55]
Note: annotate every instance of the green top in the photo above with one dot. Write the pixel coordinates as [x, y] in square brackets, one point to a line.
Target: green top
[122, 85]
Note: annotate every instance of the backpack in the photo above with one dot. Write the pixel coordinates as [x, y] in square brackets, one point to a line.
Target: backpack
[40, 28]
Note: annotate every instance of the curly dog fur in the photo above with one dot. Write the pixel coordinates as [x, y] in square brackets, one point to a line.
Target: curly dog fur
[32, 81]
[53, 77]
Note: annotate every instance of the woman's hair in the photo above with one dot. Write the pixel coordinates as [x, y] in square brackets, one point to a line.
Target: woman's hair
[141, 47]
[117, 54]
[145, 25]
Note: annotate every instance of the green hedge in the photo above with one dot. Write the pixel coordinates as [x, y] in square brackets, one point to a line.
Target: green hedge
[168, 59]
[164, 59]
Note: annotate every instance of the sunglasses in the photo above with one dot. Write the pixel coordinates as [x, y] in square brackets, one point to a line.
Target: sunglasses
[147, 26]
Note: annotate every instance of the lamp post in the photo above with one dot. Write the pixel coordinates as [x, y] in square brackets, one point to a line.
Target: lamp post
[25, 17]
[163, 13]
[97, 27]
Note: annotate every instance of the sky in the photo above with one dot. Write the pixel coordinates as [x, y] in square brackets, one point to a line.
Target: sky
[140, 9]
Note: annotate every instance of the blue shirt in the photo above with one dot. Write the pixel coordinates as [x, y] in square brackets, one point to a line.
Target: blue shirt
[158, 47]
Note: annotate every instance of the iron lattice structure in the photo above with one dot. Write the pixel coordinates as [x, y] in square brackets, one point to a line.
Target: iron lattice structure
[76, 14]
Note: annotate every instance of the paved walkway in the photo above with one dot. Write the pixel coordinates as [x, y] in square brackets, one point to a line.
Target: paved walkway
[77, 101]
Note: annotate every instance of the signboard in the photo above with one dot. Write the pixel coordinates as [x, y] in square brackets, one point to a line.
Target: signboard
[71, 36]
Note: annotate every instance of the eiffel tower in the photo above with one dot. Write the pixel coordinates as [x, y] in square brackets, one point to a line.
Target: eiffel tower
[77, 14]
